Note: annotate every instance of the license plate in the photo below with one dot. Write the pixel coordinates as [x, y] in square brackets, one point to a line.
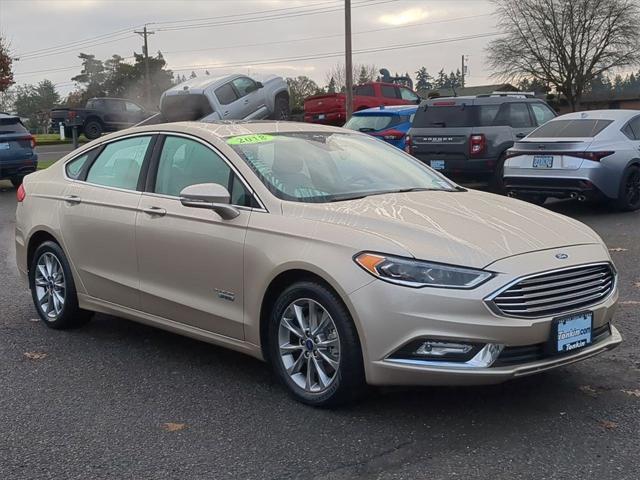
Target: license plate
[4, 146]
[321, 117]
[437, 164]
[542, 161]
[573, 332]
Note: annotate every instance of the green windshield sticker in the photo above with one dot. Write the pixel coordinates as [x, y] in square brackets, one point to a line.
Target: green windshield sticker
[244, 139]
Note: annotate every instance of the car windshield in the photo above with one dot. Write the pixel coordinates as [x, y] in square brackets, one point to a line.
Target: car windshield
[329, 167]
[575, 128]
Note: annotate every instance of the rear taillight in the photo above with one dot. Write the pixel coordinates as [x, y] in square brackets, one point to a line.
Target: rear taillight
[593, 156]
[71, 115]
[408, 146]
[477, 144]
[390, 134]
[32, 140]
[21, 193]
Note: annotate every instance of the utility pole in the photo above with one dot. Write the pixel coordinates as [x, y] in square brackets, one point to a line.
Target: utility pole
[145, 50]
[462, 72]
[348, 66]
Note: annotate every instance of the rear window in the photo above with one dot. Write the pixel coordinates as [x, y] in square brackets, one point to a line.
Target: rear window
[182, 108]
[11, 125]
[577, 128]
[365, 91]
[435, 116]
[373, 123]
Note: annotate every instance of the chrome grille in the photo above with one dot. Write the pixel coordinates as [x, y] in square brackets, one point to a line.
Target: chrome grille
[556, 292]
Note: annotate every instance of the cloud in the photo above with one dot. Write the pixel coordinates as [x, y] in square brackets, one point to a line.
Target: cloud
[406, 16]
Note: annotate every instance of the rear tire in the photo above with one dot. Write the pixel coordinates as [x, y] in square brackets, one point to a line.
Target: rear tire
[496, 183]
[282, 110]
[629, 192]
[322, 363]
[93, 129]
[16, 181]
[53, 289]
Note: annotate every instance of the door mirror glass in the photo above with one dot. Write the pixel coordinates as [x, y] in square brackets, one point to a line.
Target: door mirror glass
[259, 84]
[209, 195]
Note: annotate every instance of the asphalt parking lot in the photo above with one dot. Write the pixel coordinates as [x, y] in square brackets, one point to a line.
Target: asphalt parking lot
[118, 400]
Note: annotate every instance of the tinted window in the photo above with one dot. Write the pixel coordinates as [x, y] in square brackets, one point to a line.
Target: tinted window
[226, 94]
[244, 86]
[12, 125]
[486, 114]
[119, 163]
[635, 127]
[519, 116]
[74, 167]
[115, 106]
[371, 123]
[407, 94]
[542, 113]
[444, 116]
[389, 91]
[185, 162]
[628, 131]
[324, 167]
[365, 90]
[571, 128]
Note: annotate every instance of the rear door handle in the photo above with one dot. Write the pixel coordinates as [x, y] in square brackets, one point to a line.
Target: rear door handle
[73, 199]
[246, 101]
[224, 114]
[157, 211]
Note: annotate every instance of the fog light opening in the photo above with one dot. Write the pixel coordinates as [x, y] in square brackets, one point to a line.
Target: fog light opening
[434, 349]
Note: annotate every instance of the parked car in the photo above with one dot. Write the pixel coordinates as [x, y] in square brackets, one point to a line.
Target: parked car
[339, 259]
[580, 155]
[467, 138]
[388, 123]
[232, 97]
[17, 150]
[330, 108]
[99, 115]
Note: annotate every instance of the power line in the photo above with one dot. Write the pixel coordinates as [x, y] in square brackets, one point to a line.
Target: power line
[77, 48]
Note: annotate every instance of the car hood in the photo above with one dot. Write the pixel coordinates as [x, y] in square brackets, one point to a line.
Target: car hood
[469, 228]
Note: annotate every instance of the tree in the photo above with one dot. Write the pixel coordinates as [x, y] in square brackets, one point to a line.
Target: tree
[424, 81]
[331, 86]
[442, 80]
[6, 74]
[361, 74]
[193, 74]
[92, 75]
[35, 102]
[564, 43]
[300, 88]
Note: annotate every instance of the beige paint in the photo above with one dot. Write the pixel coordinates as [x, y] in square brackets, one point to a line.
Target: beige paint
[164, 271]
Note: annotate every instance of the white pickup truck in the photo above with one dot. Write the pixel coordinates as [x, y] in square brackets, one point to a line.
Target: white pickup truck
[232, 97]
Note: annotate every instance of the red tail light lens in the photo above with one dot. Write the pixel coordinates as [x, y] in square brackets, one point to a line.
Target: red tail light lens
[477, 144]
[593, 156]
[21, 193]
[408, 146]
[32, 139]
[390, 134]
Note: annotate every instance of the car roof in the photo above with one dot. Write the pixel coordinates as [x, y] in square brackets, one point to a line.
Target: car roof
[391, 109]
[615, 115]
[481, 100]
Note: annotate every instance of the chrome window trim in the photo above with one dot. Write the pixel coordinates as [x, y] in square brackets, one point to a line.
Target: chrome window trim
[488, 300]
[233, 168]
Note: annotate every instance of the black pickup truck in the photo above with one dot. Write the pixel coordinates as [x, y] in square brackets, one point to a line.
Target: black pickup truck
[99, 115]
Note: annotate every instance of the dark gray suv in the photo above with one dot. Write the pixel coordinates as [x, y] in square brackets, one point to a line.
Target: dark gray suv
[466, 138]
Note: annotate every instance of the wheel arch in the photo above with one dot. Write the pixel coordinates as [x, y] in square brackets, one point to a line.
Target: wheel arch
[37, 238]
[281, 281]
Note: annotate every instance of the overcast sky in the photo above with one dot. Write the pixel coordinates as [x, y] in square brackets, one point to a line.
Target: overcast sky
[42, 33]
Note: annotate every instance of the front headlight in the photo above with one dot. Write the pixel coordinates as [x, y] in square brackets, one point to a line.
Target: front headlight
[416, 273]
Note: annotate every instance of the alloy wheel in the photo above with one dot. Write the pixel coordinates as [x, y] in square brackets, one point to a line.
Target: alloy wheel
[309, 345]
[50, 285]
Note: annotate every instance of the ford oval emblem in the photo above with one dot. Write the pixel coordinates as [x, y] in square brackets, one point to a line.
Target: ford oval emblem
[562, 256]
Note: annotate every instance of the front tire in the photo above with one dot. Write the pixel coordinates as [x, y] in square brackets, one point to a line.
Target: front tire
[314, 347]
[53, 289]
[629, 192]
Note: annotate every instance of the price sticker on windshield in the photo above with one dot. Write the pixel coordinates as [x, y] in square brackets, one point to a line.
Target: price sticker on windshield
[247, 139]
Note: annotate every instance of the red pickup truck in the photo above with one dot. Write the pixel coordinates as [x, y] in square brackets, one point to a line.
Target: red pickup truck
[330, 108]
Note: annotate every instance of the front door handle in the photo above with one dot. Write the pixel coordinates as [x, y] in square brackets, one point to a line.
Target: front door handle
[521, 135]
[155, 211]
[224, 114]
[246, 101]
[72, 199]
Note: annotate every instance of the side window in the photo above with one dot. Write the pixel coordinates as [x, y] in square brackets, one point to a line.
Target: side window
[628, 131]
[226, 94]
[74, 167]
[132, 107]
[407, 94]
[487, 115]
[519, 115]
[635, 126]
[185, 162]
[114, 106]
[244, 86]
[365, 91]
[120, 163]
[542, 113]
[389, 91]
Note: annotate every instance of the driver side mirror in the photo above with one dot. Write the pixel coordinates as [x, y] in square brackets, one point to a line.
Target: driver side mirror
[259, 84]
[209, 195]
